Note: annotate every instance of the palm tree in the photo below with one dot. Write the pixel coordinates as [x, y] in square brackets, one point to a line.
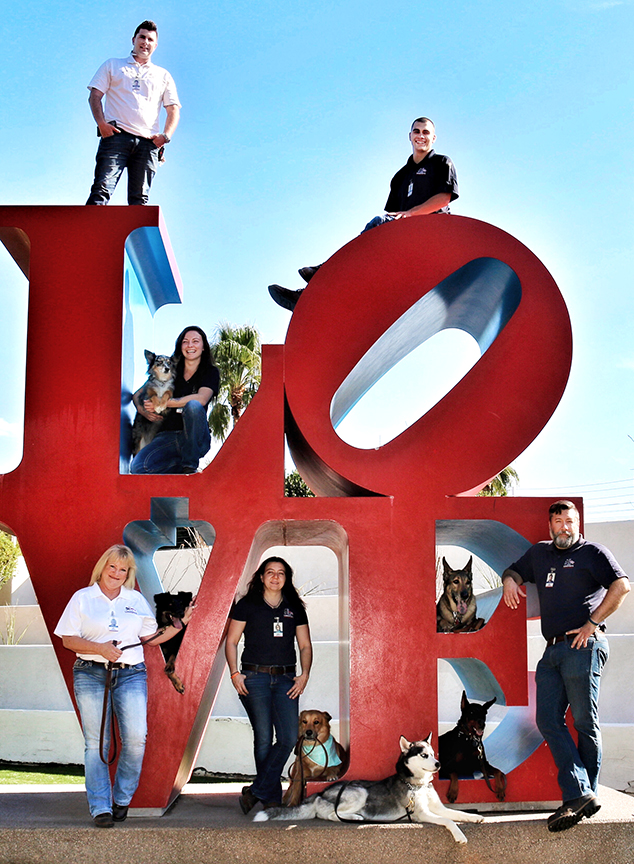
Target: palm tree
[501, 484]
[237, 353]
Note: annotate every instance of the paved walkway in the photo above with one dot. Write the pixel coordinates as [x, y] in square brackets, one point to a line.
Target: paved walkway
[47, 825]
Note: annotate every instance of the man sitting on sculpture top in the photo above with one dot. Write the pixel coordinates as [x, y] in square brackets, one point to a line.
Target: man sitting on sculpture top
[425, 185]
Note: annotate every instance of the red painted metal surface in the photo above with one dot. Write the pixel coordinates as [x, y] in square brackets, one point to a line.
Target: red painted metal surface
[67, 500]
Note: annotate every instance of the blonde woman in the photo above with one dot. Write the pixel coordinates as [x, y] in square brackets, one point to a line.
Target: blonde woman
[97, 624]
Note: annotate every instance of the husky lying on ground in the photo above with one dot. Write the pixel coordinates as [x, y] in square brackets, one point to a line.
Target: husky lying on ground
[408, 793]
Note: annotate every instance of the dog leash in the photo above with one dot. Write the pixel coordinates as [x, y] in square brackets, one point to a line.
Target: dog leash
[478, 743]
[409, 808]
[104, 713]
[298, 752]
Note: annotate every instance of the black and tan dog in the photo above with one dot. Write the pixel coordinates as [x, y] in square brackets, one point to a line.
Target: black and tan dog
[170, 609]
[456, 611]
[158, 389]
[319, 756]
[461, 750]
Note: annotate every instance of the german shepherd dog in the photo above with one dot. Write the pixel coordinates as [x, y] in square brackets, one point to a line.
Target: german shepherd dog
[456, 610]
[159, 389]
[319, 756]
[170, 609]
[461, 751]
[407, 794]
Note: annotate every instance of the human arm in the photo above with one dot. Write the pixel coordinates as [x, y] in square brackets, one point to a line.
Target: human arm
[615, 595]
[203, 396]
[432, 205]
[106, 130]
[511, 591]
[234, 634]
[164, 634]
[173, 116]
[302, 634]
[145, 408]
[109, 650]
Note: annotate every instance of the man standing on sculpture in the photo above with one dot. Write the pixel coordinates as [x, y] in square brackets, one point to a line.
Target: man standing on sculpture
[579, 585]
[425, 185]
[134, 90]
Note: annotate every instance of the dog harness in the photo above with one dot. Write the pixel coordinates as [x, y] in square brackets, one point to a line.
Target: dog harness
[322, 754]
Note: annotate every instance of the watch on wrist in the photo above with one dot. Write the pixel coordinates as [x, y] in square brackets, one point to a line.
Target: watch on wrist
[166, 137]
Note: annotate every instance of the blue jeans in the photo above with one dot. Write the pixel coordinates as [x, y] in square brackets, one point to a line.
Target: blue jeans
[177, 452]
[565, 677]
[138, 155]
[269, 708]
[378, 220]
[130, 708]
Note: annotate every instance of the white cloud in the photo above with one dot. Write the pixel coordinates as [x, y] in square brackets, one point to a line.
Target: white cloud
[8, 430]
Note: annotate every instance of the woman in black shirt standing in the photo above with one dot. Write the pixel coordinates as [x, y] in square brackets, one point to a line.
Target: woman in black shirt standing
[272, 617]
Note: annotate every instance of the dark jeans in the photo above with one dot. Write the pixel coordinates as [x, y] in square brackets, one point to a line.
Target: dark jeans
[177, 452]
[138, 155]
[269, 708]
[565, 677]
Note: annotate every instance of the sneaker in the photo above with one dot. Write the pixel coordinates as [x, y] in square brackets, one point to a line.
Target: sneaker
[572, 812]
[119, 814]
[103, 820]
[284, 297]
[307, 273]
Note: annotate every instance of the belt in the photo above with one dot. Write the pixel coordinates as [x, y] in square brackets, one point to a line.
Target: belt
[112, 665]
[563, 638]
[271, 670]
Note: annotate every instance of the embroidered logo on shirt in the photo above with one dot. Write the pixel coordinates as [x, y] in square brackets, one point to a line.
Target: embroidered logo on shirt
[422, 171]
[550, 579]
[569, 562]
[131, 610]
[288, 613]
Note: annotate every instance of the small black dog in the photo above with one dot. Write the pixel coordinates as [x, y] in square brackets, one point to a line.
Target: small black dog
[461, 751]
[170, 609]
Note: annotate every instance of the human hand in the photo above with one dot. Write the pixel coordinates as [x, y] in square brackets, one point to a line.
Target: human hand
[149, 412]
[512, 593]
[110, 651]
[189, 612]
[238, 682]
[582, 635]
[107, 130]
[299, 686]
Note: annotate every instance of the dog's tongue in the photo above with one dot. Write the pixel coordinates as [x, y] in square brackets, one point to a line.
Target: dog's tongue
[176, 622]
[461, 606]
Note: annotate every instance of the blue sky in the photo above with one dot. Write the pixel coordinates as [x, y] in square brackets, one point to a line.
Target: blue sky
[295, 117]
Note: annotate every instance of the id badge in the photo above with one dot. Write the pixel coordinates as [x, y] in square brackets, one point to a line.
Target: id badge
[278, 628]
[410, 189]
[550, 578]
[113, 624]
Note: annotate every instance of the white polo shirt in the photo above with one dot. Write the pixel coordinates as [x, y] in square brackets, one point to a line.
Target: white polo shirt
[134, 94]
[91, 615]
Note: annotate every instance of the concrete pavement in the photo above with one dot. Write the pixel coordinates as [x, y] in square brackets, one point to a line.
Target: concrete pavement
[47, 825]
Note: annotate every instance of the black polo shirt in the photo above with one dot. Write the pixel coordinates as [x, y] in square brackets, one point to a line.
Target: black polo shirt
[269, 634]
[571, 583]
[416, 183]
[209, 377]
